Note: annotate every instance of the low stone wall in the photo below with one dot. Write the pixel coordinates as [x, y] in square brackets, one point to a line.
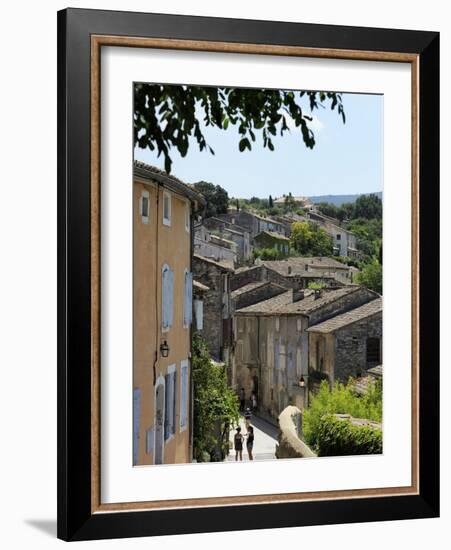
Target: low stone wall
[290, 446]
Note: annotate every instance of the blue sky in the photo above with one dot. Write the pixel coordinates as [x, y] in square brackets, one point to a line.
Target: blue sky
[347, 158]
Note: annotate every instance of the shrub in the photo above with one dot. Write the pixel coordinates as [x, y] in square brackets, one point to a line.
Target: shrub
[340, 438]
[341, 399]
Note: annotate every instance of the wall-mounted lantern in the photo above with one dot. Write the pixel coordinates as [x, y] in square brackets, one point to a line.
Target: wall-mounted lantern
[301, 382]
[164, 349]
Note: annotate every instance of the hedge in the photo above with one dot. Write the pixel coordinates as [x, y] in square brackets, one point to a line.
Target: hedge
[340, 438]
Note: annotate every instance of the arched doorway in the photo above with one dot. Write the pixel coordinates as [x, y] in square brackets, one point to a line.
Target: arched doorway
[159, 421]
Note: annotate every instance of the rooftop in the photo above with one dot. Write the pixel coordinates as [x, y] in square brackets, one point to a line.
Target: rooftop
[283, 303]
[298, 263]
[146, 171]
[253, 286]
[199, 286]
[220, 265]
[357, 314]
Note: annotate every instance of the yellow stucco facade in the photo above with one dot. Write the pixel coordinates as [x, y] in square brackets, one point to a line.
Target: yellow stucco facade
[161, 241]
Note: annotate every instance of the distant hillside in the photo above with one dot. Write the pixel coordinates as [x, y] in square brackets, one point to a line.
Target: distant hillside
[338, 200]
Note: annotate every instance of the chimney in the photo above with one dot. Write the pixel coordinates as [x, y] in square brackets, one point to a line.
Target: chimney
[298, 294]
[318, 293]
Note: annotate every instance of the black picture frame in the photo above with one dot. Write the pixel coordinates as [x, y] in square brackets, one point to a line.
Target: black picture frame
[75, 518]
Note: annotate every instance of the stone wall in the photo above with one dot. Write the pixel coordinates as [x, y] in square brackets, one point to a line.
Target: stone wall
[289, 443]
[351, 347]
[212, 276]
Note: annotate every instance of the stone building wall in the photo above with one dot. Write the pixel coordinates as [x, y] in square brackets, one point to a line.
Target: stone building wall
[351, 347]
[213, 307]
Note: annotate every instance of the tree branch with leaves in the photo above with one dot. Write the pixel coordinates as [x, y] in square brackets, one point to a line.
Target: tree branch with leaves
[167, 116]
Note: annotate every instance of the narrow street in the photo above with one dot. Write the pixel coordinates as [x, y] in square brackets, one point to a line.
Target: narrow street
[264, 442]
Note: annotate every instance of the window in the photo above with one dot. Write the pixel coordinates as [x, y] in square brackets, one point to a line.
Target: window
[166, 208]
[199, 313]
[188, 299]
[338, 237]
[184, 389]
[277, 324]
[187, 217]
[144, 206]
[167, 297]
[373, 350]
[170, 401]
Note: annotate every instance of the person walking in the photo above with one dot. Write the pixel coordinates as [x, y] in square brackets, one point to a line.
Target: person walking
[242, 399]
[238, 444]
[250, 442]
[247, 417]
[254, 401]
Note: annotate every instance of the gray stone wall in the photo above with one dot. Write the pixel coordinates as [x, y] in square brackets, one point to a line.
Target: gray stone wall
[351, 347]
[212, 276]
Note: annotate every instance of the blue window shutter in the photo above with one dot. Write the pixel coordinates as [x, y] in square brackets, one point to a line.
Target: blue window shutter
[136, 418]
[188, 299]
[183, 394]
[164, 297]
[167, 297]
[174, 400]
[171, 298]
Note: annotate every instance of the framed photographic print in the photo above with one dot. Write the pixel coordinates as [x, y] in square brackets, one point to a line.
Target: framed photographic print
[248, 274]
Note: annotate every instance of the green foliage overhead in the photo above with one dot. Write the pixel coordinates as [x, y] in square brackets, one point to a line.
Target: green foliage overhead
[308, 239]
[167, 116]
[371, 276]
[215, 404]
[216, 196]
[341, 399]
[341, 438]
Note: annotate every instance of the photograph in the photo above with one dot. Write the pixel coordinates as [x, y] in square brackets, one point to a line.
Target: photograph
[257, 274]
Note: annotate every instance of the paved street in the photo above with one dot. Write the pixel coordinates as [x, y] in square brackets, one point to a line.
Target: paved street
[264, 442]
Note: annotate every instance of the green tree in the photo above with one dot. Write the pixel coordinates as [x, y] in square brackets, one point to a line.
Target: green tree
[371, 276]
[167, 116]
[308, 239]
[270, 202]
[368, 207]
[215, 405]
[217, 198]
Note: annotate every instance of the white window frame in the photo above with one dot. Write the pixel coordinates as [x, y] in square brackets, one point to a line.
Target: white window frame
[184, 364]
[144, 195]
[167, 220]
[171, 370]
[187, 216]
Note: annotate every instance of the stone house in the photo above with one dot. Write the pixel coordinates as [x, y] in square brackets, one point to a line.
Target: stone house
[212, 246]
[347, 345]
[317, 267]
[271, 348]
[344, 241]
[300, 202]
[217, 313]
[253, 223]
[270, 239]
[283, 277]
[232, 232]
[254, 292]
[163, 210]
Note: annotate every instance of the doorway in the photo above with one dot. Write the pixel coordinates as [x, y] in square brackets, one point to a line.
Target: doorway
[159, 421]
